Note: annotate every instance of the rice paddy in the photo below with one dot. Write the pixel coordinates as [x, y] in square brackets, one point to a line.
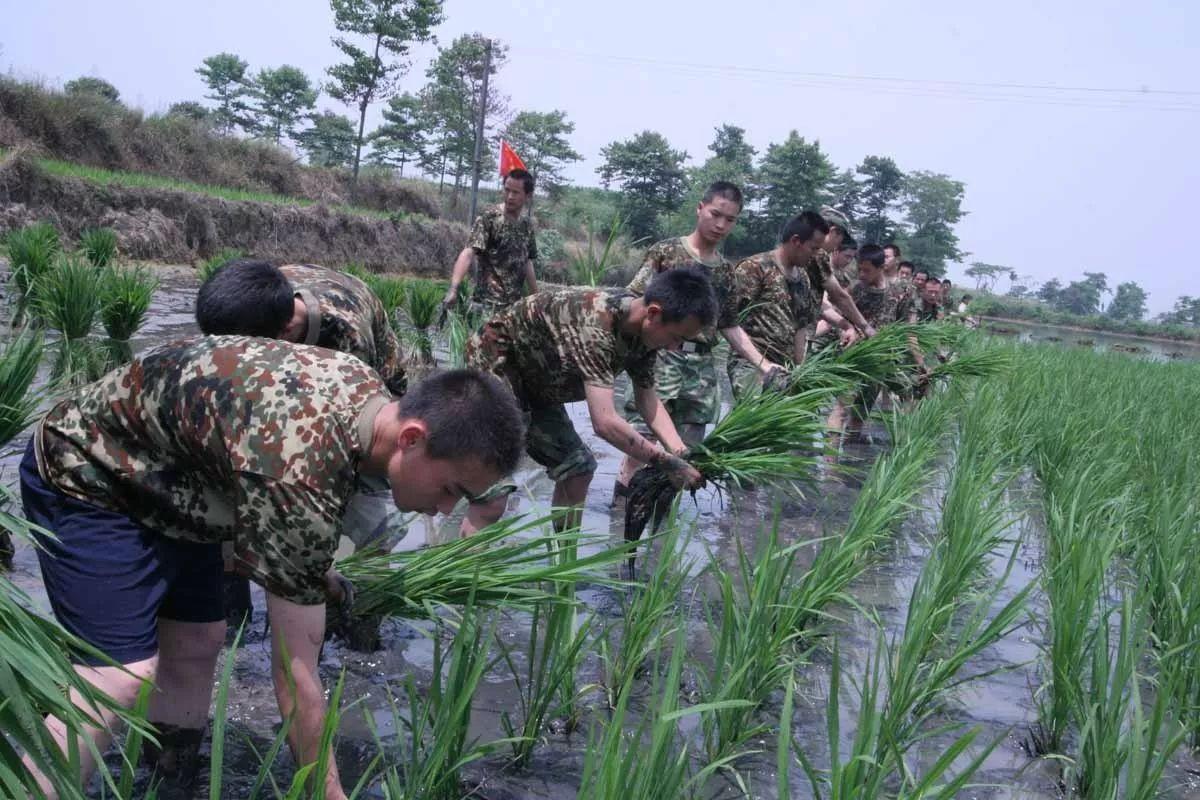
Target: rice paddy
[1001, 601]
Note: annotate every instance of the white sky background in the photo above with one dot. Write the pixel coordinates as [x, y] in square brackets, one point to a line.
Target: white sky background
[1057, 182]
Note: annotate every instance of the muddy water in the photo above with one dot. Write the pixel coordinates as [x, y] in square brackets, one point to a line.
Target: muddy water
[1000, 705]
[1099, 341]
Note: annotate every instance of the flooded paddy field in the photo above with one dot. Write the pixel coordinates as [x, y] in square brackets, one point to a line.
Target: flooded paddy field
[714, 529]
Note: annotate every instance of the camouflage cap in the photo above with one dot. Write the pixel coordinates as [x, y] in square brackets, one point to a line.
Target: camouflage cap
[835, 217]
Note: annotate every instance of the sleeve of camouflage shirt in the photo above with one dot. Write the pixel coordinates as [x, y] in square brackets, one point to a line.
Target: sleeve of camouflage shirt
[287, 536]
[723, 285]
[745, 286]
[388, 355]
[480, 234]
[650, 266]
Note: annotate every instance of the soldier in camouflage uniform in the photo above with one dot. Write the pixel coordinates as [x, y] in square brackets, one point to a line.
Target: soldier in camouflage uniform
[686, 379]
[243, 449]
[930, 307]
[317, 305]
[832, 326]
[504, 242]
[567, 346]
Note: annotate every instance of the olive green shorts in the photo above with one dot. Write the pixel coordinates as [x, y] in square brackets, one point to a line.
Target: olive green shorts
[552, 441]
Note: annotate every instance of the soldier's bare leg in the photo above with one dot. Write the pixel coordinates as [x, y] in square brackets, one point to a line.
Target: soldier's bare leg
[571, 493]
[123, 685]
[480, 515]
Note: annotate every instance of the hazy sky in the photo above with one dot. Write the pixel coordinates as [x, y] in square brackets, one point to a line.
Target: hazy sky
[1100, 177]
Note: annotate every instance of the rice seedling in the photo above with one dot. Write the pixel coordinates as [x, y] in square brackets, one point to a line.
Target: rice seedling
[212, 265]
[31, 253]
[649, 760]
[438, 722]
[18, 367]
[422, 301]
[125, 296]
[492, 567]
[648, 619]
[587, 267]
[99, 245]
[459, 328]
[68, 299]
[391, 291]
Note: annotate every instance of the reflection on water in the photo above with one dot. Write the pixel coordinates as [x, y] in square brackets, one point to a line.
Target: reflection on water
[1100, 341]
[1000, 705]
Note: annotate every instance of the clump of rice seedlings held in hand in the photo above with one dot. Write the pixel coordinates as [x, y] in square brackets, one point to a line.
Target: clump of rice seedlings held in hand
[99, 245]
[68, 298]
[31, 254]
[125, 296]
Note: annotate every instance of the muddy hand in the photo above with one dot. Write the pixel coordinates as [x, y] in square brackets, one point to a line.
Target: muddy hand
[679, 472]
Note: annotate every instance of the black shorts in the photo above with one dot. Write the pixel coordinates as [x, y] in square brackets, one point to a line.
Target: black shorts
[109, 578]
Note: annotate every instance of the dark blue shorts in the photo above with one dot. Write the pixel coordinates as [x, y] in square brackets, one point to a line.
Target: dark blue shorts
[109, 579]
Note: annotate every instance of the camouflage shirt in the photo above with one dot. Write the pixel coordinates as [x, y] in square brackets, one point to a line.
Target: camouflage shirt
[904, 292]
[504, 247]
[345, 315]
[926, 313]
[878, 305]
[772, 304]
[550, 345]
[251, 441]
[847, 275]
[676, 252]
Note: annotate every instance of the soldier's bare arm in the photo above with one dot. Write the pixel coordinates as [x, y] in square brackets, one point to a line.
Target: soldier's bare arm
[462, 265]
[296, 635]
[800, 346]
[530, 277]
[741, 343]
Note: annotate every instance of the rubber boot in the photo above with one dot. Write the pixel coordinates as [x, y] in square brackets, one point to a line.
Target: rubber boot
[175, 760]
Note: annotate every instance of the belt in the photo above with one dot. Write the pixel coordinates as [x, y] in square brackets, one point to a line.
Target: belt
[696, 348]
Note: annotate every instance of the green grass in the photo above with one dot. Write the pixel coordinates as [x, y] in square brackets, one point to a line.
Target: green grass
[211, 265]
[141, 180]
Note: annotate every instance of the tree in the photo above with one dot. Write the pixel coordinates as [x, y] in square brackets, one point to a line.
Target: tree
[933, 206]
[1082, 297]
[97, 87]
[792, 176]
[285, 96]
[986, 275]
[1129, 303]
[1186, 312]
[400, 139]
[845, 194]
[454, 94]
[390, 28]
[882, 185]
[189, 109]
[651, 178]
[330, 142]
[225, 76]
[1049, 291]
[733, 161]
[541, 141]
[731, 147]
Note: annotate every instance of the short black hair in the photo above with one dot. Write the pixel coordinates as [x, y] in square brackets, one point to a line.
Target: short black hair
[803, 225]
[873, 254]
[468, 414]
[683, 292]
[946, 281]
[245, 297]
[967, 298]
[895, 247]
[921, 271]
[729, 191]
[848, 243]
[904, 264]
[524, 176]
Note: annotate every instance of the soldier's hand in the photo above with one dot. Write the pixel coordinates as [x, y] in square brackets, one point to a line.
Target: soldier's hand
[848, 337]
[776, 380]
[451, 297]
[339, 591]
[679, 472]
[869, 331]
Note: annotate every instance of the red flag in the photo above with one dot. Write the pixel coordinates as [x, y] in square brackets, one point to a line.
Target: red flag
[509, 160]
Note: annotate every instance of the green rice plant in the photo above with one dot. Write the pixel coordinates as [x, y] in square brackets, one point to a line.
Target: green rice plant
[422, 301]
[125, 296]
[493, 567]
[391, 291]
[587, 267]
[357, 270]
[32, 251]
[18, 368]
[212, 265]
[99, 245]
[68, 300]
[460, 326]
[438, 721]
[649, 616]
[649, 760]
[884, 360]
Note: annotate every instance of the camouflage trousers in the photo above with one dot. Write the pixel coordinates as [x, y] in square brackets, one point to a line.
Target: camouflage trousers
[743, 376]
[552, 441]
[687, 385]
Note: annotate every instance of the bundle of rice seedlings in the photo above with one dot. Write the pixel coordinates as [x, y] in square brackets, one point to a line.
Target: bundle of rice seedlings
[68, 299]
[211, 265]
[493, 566]
[99, 245]
[459, 328]
[422, 301]
[31, 254]
[884, 360]
[125, 296]
[756, 443]
[391, 292]
[18, 368]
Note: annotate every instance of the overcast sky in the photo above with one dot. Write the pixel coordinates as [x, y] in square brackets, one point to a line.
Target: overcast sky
[1100, 177]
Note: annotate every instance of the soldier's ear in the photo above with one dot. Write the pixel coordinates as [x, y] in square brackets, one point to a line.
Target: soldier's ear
[412, 432]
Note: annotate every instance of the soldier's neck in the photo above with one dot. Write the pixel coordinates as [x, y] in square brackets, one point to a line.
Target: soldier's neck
[701, 247]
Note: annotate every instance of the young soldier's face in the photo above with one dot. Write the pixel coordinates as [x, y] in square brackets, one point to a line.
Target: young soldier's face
[715, 219]
[868, 272]
[905, 272]
[889, 256]
[660, 335]
[931, 292]
[920, 279]
[842, 257]
[431, 485]
[946, 291]
[833, 240]
[514, 195]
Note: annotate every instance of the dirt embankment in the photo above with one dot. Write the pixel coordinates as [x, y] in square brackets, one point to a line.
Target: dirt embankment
[176, 226]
